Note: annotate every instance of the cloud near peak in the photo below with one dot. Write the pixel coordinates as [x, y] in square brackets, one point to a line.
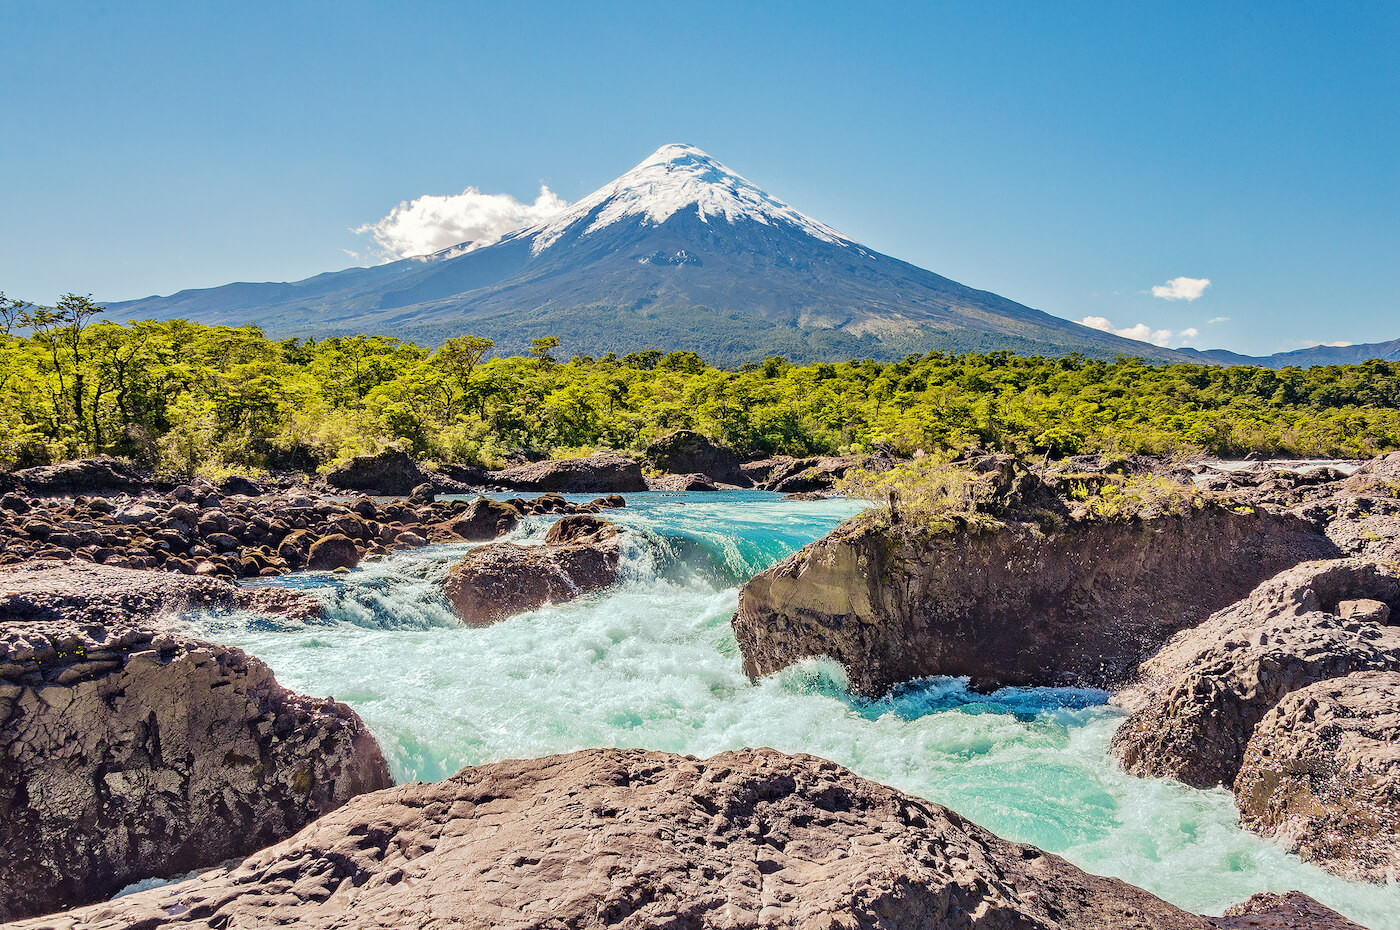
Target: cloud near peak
[1143, 333]
[434, 222]
[1181, 288]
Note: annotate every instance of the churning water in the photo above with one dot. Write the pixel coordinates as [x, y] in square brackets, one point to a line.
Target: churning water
[652, 663]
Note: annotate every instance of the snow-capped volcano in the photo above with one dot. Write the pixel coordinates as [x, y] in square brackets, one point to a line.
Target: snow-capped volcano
[678, 253]
[675, 178]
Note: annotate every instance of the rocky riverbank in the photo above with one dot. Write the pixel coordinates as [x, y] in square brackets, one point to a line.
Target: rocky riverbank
[611, 837]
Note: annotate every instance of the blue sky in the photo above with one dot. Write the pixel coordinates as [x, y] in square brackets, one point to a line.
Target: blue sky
[1068, 156]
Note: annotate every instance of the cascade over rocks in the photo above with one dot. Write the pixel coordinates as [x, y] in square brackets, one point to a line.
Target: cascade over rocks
[1201, 696]
[604, 473]
[1322, 773]
[129, 752]
[581, 554]
[1077, 602]
[624, 837]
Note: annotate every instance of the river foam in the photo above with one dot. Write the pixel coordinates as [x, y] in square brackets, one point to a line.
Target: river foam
[652, 663]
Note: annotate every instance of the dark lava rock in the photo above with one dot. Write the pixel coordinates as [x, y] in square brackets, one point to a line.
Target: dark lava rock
[686, 452]
[1322, 773]
[334, 551]
[1200, 697]
[678, 483]
[633, 839]
[391, 472]
[581, 555]
[100, 475]
[485, 519]
[602, 473]
[1290, 911]
[1077, 603]
[131, 753]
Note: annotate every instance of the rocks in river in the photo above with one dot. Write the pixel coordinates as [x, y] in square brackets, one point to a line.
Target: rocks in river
[1035, 601]
[624, 837]
[605, 472]
[790, 475]
[485, 519]
[581, 554]
[685, 452]
[390, 472]
[334, 551]
[677, 483]
[131, 752]
[1292, 910]
[1202, 695]
[1322, 773]
[100, 475]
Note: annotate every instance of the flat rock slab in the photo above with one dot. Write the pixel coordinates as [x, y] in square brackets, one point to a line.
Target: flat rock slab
[627, 838]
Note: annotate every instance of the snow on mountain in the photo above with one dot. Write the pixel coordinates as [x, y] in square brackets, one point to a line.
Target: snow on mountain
[674, 178]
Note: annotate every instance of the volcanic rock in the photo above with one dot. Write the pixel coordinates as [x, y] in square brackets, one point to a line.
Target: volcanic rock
[1202, 695]
[686, 452]
[628, 838]
[1075, 603]
[130, 753]
[390, 472]
[485, 519]
[580, 555]
[1292, 910]
[1322, 773]
[100, 475]
[678, 483]
[596, 474]
[334, 551]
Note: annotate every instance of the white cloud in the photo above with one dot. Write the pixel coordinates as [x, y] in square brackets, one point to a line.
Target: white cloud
[1181, 288]
[1142, 332]
[434, 221]
[1218, 319]
[1339, 344]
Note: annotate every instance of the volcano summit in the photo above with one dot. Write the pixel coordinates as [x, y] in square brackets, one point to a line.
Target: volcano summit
[678, 253]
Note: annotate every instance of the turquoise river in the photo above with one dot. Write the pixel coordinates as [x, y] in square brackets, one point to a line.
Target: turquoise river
[652, 663]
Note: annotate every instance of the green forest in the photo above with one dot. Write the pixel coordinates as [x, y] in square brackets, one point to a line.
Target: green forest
[181, 398]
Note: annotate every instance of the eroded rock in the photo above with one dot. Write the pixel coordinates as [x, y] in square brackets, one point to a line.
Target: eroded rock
[602, 473]
[1292, 910]
[688, 453]
[628, 838]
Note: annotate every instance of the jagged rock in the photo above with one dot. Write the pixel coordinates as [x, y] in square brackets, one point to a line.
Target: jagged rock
[686, 452]
[485, 519]
[390, 472]
[334, 551]
[1201, 696]
[628, 838]
[1292, 910]
[130, 753]
[423, 494]
[1322, 773]
[238, 484]
[1079, 603]
[100, 475]
[581, 555]
[823, 473]
[678, 483]
[602, 473]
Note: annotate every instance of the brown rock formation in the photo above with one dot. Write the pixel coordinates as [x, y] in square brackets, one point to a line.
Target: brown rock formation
[499, 580]
[391, 472]
[686, 452]
[334, 551]
[629, 838]
[485, 519]
[1080, 603]
[130, 753]
[1290, 911]
[1202, 695]
[1322, 773]
[601, 473]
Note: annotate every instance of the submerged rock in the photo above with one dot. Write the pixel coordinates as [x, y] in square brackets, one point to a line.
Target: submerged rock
[1322, 773]
[127, 753]
[581, 554]
[612, 837]
[601, 473]
[1201, 696]
[1064, 602]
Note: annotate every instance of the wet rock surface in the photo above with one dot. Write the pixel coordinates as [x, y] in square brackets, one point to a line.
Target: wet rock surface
[602, 473]
[1200, 697]
[1081, 602]
[131, 752]
[580, 555]
[642, 839]
[1322, 773]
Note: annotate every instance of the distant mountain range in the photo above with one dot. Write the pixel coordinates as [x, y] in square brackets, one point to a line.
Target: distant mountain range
[1304, 358]
[678, 253]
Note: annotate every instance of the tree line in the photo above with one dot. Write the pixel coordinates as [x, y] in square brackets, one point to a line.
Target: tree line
[181, 397]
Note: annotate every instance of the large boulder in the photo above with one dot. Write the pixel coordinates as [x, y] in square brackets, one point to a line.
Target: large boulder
[1201, 696]
[128, 753]
[1322, 773]
[686, 452]
[390, 472]
[1077, 602]
[581, 554]
[597, 474]
[484, 519]
[100, 475]
[628, 838]
[331, 552]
